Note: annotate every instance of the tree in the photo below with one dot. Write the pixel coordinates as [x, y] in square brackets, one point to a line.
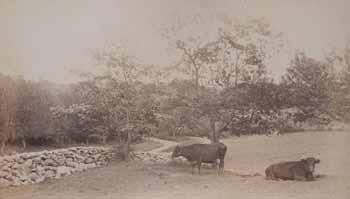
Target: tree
[234, 59]
[33, 117]
[341, 98]
[7, 111]
[122, 93]
[310, 84]
[243, 50]
[193, 48]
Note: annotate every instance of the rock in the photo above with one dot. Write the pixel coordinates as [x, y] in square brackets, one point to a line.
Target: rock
[28, 163]
[97, 156]
[33, 176]
[70, 159]
[90, 166]
[6, 168]
[4, 183]
[62, 171]
[30, 155]
[15, 173]
[89, 160]
[16, 182]
[60, 162]
[6, 176]
[39, 179]
[72, 164]
[50, 174]
[3, 174]
[39, 169]
[20, 160]
[50, 162]
[79, 169]
[49, 168]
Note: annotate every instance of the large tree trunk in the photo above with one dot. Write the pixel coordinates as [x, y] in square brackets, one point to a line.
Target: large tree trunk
[24, 144]
[173, 132]
[127, 144]
[197, 79]
[104, 140]
[2, 147]
[214, 137]
[127, 151]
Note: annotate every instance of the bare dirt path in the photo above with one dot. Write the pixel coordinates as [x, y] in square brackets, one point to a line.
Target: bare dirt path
[246, 155]
[165, 145]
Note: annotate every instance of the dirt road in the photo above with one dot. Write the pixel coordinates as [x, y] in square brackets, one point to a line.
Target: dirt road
[246, 156]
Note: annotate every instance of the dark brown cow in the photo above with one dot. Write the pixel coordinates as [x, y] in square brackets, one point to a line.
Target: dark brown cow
[295, 170]
[197, 154]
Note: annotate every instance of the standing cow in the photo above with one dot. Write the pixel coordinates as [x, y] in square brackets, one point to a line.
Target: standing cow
[197, 154]
[295, 170]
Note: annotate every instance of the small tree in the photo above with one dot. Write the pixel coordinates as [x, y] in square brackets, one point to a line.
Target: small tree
[310, 84]
[122, 91]
[341, 98]
[7, 111]
[32, 112]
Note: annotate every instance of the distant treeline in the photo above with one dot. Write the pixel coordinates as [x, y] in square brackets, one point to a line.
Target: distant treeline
[224, 89]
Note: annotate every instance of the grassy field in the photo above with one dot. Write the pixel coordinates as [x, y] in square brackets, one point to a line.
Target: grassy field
[246, 157]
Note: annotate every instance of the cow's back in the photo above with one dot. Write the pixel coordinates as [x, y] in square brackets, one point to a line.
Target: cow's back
[283, 170]
[207, 153]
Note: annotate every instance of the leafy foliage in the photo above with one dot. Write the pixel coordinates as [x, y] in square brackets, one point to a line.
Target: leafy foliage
[310, 84]
[227, 91]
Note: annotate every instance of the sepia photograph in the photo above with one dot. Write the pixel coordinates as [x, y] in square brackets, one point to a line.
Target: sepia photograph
[174, 99]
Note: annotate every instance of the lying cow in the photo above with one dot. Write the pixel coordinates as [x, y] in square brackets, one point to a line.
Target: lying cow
[296, 170]
[197, 154]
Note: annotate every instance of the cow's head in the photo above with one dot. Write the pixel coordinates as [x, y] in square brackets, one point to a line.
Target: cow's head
[177, 152]
[309, 163]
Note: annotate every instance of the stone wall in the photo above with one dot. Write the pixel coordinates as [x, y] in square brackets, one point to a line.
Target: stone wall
[35, 167]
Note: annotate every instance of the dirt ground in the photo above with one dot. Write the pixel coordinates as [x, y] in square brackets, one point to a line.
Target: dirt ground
[246, 156]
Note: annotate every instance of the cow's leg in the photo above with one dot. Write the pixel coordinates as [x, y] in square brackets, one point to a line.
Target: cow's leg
[310, 177]
[270, 174]
[193, 164]
[299, 178]
[199, 163]
[221, 166]
[273, 177]
[214, 165]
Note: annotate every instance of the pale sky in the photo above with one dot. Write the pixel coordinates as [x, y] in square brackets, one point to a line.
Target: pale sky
[47, 39]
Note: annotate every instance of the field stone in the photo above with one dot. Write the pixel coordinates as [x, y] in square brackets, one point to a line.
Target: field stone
[4, 183]
[20, 160]
[39, 179]
[15, 166]
[16, 182]
[62, 171]
[50, 162]
[72, 164]
[91, 165]
[50, 174]
[31, 155]
[40, 169]
[89, 160]
[2, 174]
[60, 161]
[35, 167]
[80, 168]
[28, 163]
[33, 176]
